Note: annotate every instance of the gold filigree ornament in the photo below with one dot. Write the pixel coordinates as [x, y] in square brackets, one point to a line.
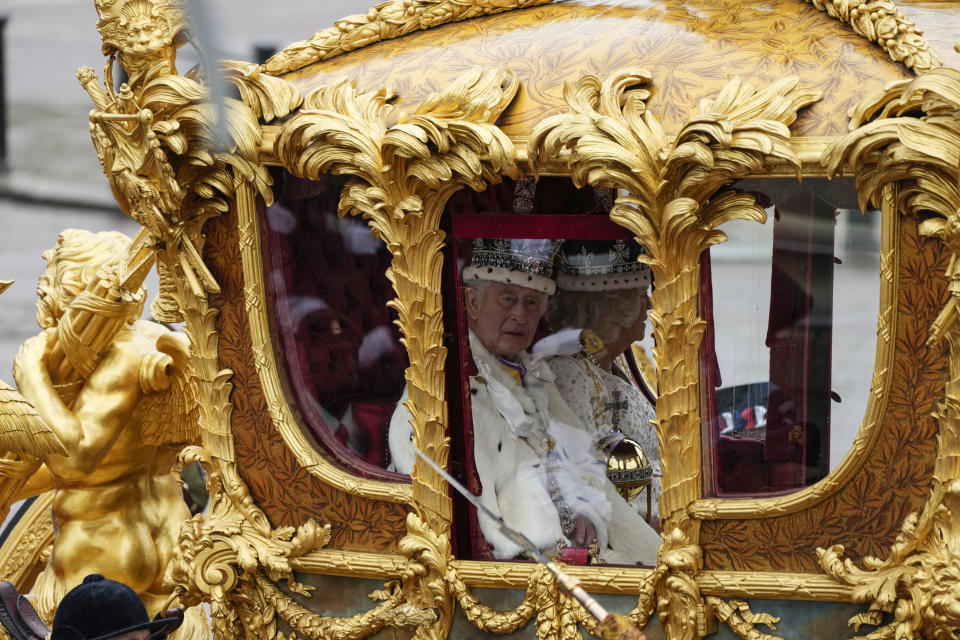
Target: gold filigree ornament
[880, 21]
[174, 160]
[904, 144]
[673, 199]
[405, 166]
[225, 560]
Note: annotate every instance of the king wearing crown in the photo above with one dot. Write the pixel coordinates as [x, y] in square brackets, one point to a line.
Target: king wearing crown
[533, 457]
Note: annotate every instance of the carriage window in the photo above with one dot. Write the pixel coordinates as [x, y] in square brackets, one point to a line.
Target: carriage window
[556, 436]
[787, 366]
[334, 333]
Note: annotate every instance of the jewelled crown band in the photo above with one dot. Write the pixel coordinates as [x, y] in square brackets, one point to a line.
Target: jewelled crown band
[522, 262]
[602, 265]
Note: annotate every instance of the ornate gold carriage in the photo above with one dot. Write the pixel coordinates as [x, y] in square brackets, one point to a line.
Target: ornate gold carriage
[703, 117]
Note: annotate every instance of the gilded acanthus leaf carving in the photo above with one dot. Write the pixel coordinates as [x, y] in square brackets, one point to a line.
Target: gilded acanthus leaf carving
[405, 166]
[737, 615]
[674, 201]
[880, 21]
[905, 143]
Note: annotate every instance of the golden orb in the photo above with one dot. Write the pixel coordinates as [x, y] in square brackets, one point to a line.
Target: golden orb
[628, 468]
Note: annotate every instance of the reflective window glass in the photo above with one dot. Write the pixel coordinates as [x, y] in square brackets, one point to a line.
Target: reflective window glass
[787, 363]
[334, 333]
[555, 434]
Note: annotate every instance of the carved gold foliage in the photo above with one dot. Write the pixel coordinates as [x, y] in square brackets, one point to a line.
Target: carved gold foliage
[392, 612]
[384, 21]
[32, 542]
[880, 21]
[920, 154]
[224, 550]
[911, 149]
[674, 203]
[405, 167]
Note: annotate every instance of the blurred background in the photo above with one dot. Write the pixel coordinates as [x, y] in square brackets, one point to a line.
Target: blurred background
[50, 179]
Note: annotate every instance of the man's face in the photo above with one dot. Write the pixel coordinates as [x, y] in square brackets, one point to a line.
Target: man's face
[506, 317]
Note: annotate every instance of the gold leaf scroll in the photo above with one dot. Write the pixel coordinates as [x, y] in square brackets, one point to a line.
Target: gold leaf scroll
[905, 144]
[405, 167]
[673, 203]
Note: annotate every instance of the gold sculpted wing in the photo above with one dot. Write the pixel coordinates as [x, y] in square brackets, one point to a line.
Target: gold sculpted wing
[905, 145]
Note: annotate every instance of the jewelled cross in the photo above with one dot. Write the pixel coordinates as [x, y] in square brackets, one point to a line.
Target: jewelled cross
[617, 406]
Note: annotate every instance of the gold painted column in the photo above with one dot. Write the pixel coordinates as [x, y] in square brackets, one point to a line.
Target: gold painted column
[671, 199]
[404, 168]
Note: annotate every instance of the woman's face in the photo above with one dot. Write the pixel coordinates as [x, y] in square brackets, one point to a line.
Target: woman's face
[639, 327]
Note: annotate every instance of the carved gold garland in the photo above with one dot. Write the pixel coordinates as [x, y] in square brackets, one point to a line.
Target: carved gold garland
[880, 21]
[384, 21]
[914, 160]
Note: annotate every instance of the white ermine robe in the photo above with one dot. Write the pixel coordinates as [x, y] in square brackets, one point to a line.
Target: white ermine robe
[526, 439]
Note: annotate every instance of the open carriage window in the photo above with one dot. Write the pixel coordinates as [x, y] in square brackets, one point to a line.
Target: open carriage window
[548, 426]
[334, 333]
[788, 359]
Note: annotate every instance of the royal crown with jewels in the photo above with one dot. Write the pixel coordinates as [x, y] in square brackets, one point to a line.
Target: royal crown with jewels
[602, 265]
[518, 261]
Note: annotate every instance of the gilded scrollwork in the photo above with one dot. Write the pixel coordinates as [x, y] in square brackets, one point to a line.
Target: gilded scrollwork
[674, 203]
[904, 144]
[174, 160]
[384, 21]
[737, 615]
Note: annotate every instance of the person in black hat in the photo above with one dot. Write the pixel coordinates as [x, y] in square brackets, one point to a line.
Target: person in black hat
[101, 609]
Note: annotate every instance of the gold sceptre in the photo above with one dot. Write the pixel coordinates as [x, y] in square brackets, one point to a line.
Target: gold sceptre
[611, 626]
[95, 317]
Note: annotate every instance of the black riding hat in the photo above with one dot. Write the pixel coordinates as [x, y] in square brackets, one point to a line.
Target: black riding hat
[99, 609]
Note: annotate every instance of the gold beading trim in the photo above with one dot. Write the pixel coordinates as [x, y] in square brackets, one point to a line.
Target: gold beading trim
[881, 22]
[24, 550]
[384, 21]
[598, 579]
[293, 434]
[871, 427]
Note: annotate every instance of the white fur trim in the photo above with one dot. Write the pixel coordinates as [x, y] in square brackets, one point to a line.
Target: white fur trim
[605, 281]
[533, 281]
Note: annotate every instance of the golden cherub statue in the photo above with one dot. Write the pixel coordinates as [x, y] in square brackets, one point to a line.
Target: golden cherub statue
[116, 392]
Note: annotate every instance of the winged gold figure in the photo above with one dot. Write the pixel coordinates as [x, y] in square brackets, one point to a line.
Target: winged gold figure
[106, 405]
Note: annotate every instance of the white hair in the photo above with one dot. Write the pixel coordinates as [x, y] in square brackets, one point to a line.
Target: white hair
[606, 313]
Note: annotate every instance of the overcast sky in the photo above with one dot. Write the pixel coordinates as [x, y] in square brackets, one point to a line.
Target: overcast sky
[47, 40]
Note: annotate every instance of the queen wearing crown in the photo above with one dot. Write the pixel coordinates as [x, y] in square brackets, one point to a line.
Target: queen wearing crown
[533, 455]
[602, 291]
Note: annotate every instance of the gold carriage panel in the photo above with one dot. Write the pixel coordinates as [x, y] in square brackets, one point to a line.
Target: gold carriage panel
[690, 48]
